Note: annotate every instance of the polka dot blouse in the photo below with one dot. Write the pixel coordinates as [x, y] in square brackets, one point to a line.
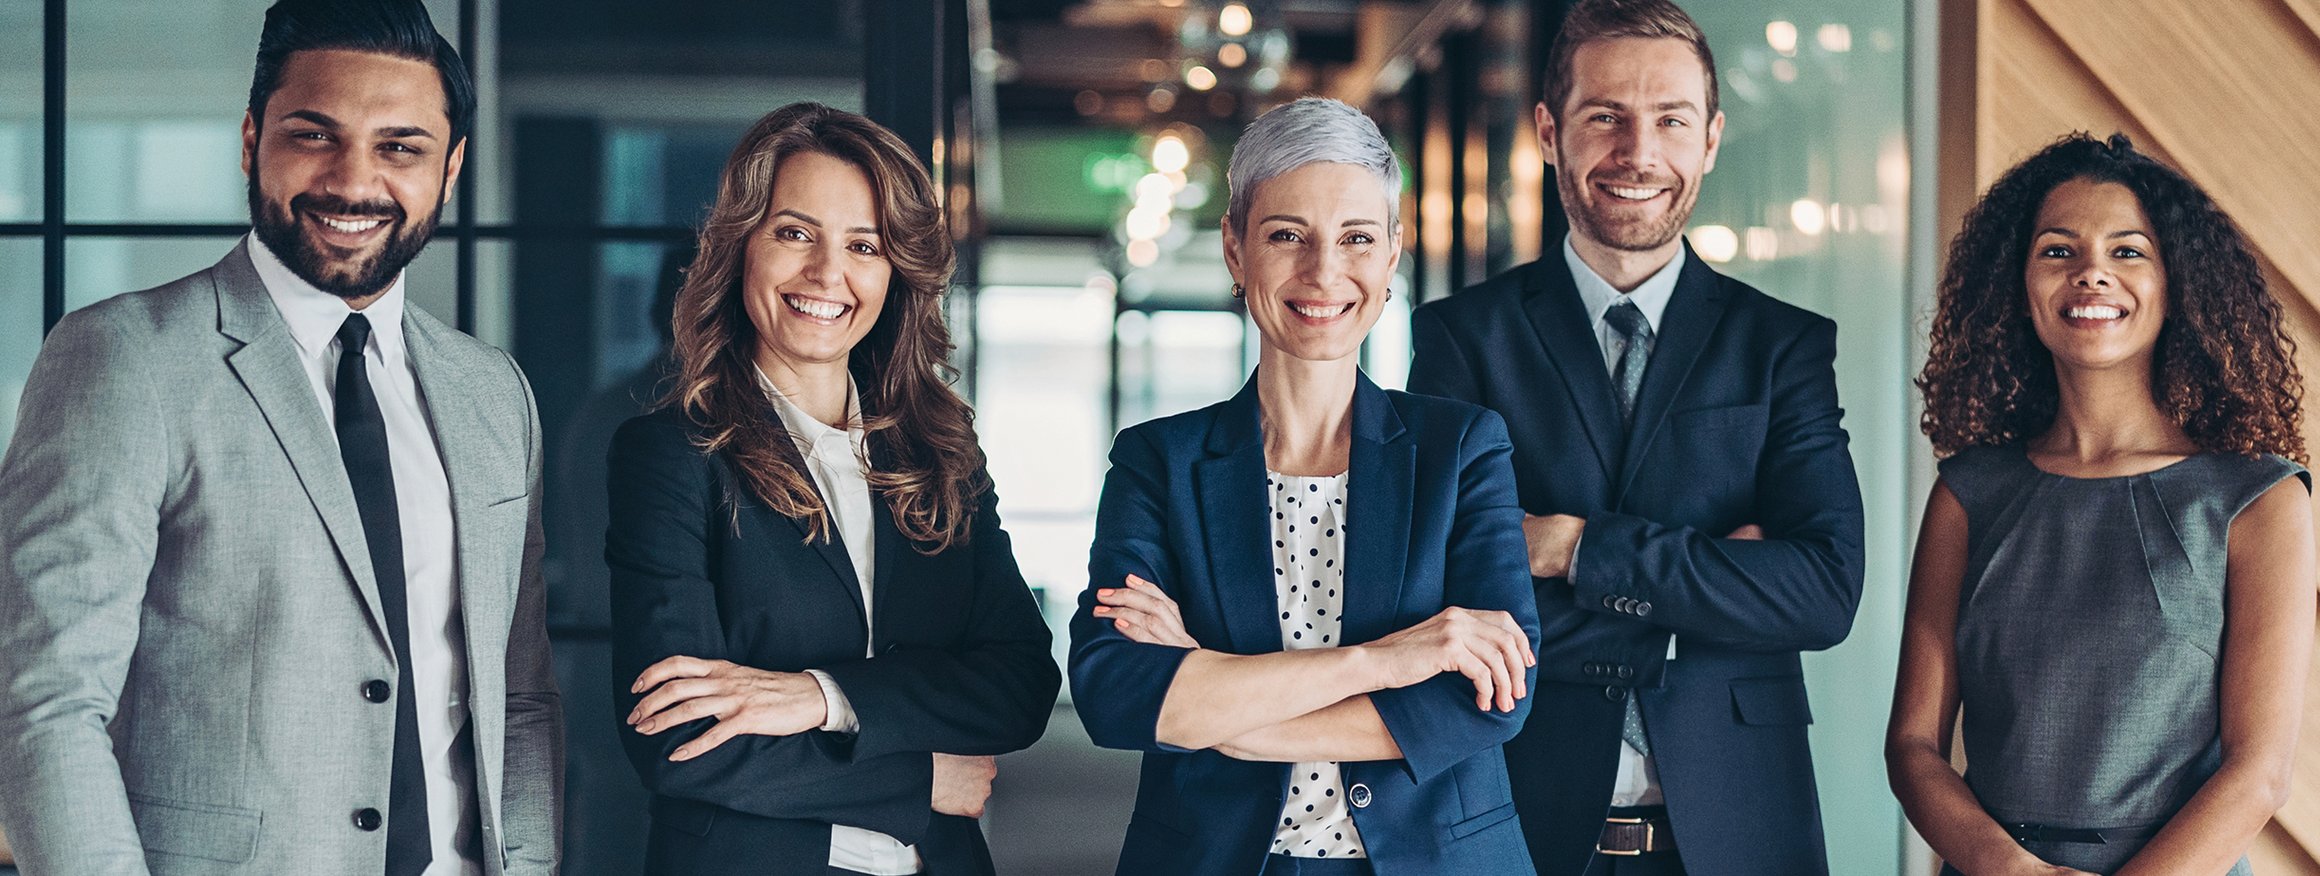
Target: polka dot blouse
[1309, 595]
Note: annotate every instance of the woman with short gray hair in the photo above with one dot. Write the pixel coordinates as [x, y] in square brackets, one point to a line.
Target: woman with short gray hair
[1310, 703]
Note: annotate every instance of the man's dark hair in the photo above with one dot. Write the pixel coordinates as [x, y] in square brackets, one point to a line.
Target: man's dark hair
[1595, 20]
[398, 28]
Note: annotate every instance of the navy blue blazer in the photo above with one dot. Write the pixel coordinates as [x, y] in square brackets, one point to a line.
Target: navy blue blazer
[1432, 509]
[700, 567]
[1737, 423]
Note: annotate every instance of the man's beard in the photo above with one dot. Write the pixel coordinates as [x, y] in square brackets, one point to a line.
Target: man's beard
[1635, 235]
[283, 233]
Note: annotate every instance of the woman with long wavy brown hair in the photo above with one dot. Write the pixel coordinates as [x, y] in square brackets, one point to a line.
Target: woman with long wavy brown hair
[827, 632]
[2114, 576]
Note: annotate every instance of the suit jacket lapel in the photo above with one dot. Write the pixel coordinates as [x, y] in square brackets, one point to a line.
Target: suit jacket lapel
[469, 448]
[1231, 486]
[832, 547]
[887, 582]
[1691, 317]
[1378, 490]
[268, 366]
[1560, 318]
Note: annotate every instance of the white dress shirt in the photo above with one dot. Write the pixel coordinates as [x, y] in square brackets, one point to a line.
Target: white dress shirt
[1638, 783]
[423, 504]
[838, 462]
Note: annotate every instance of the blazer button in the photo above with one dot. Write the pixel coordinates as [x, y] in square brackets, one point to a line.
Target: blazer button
[377, 691]
[1610, 602]
[1358, 795]
[1626, 672]
[1643, 609]
[1615, 693]
[367, 819]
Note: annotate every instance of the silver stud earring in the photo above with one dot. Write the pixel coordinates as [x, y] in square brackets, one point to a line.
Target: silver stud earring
[1238, 291]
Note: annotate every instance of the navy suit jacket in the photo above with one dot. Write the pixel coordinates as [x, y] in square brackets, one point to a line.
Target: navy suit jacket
[1737, 423]
[1432, 516]
[701, 568]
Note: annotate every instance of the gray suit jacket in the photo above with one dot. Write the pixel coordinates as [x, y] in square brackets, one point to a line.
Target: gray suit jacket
[188, 613]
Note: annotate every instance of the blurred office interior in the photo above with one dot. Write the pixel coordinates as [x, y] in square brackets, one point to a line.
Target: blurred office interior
[1081, 147]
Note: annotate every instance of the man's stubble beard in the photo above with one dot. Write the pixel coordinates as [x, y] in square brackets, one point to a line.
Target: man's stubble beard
[279, 228]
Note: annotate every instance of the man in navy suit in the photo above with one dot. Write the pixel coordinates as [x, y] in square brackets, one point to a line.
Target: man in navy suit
[1692, 516]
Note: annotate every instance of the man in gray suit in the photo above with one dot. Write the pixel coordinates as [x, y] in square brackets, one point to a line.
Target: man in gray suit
[270, 598]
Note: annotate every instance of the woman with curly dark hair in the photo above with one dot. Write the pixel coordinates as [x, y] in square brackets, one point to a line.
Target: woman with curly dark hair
[825, 626]
[2114, 575]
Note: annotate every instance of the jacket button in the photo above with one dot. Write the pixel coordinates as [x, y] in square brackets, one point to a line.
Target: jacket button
[367, 819]
[1626, 672]
[1610, 602]
[1615, 693]
[1358, 795]
[1643, 609]
[377, 691]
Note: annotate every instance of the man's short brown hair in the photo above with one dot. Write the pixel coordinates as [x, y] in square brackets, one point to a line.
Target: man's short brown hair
[1595, 20]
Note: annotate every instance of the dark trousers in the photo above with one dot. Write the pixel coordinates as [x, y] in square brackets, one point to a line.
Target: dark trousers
[1668, 863]
[1283, 865]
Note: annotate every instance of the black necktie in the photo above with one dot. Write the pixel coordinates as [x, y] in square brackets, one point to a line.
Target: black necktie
[362, 444]
[1627, 377]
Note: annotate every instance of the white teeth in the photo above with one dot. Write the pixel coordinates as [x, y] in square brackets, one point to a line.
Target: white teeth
[351, 227]
[1320, 312]
[815, 308]
[2094, 311]
[1634, 194]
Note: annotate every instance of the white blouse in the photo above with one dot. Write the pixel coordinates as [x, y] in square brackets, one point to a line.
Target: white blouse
[1309, 593]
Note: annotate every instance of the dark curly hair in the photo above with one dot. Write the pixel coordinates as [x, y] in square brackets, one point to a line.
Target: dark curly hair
[2224, 368]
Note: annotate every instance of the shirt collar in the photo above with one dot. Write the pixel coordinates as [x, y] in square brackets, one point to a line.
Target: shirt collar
[314, 316]
[1599, 295]
[814, 436]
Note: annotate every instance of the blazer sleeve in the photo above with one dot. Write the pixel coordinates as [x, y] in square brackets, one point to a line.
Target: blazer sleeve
[1117, 684]
[1437, 366]
[991, 693]
[81, 492]
[532, 785]
[664, 499]
[1795, 590]
[1484, 566]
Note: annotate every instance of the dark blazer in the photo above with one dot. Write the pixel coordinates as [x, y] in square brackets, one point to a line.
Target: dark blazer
[701, 568]
[1435, 524]
[1737, 424]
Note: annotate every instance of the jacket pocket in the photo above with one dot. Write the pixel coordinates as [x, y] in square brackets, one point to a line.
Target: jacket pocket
[1771, 702]
[1478, 823]
[195, 830]
[1705, 419]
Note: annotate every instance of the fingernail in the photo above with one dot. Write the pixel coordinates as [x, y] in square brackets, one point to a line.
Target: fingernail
[1104, 591]
[646, 727]
[1103, 609]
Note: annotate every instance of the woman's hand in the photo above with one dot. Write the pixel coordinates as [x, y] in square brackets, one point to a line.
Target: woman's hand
[962, 784]
[741, 698]
[1487, 647]
[1144, 613]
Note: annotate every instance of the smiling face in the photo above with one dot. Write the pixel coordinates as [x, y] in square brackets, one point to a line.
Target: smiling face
[815, 273]
[1632, 141]
[2097, 286]
[350, 167]
[1316, 259]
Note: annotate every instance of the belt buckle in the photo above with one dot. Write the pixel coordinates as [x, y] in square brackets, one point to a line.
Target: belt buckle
[1649, 835]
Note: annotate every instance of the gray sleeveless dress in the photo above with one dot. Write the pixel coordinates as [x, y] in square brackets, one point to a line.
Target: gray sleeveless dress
[2090, 626]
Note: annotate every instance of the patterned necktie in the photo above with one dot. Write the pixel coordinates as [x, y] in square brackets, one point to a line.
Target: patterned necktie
[362, 445]
[1627, 381]
[1635, 352]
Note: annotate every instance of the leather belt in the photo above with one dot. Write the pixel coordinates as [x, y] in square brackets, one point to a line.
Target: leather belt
[1635, 836]
[2046, 833]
